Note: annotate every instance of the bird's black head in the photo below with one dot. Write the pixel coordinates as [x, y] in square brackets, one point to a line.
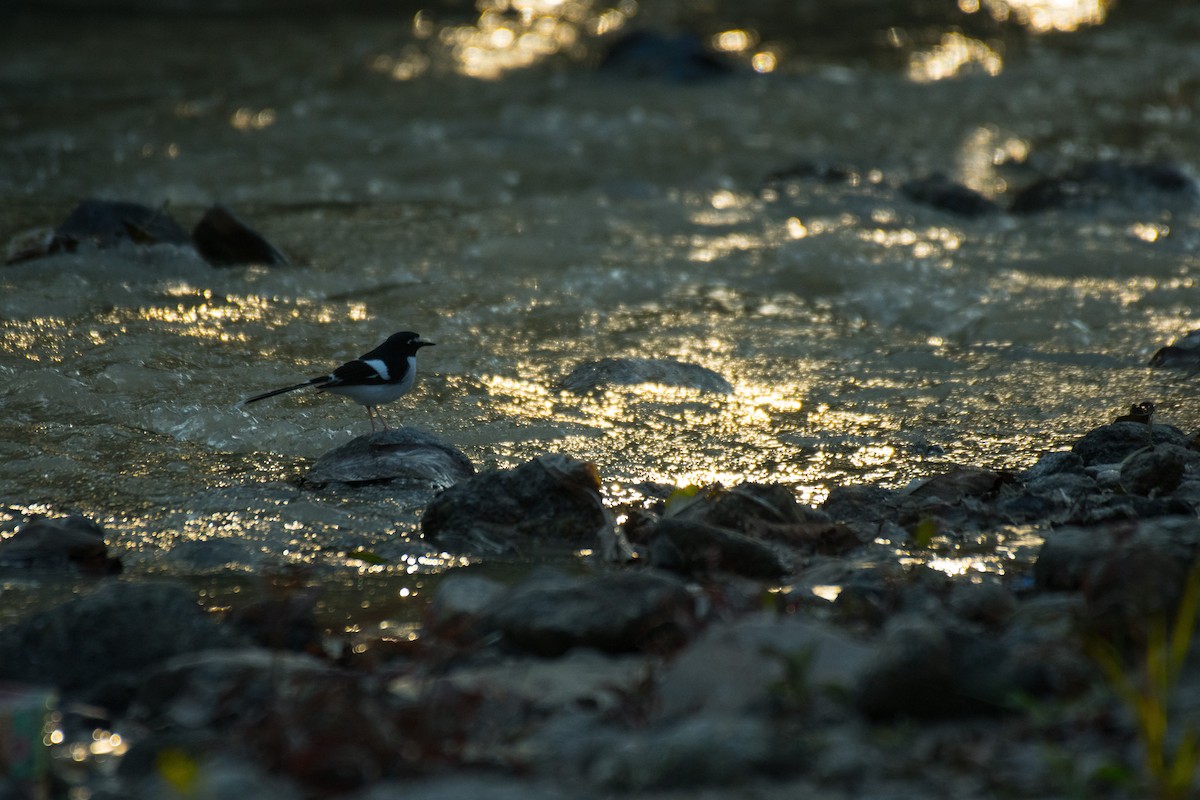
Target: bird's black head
[407, 342]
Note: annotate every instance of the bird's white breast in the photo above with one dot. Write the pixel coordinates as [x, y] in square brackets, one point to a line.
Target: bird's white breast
[381, 393]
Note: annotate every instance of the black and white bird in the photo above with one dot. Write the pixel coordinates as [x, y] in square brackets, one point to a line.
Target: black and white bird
[376, 377]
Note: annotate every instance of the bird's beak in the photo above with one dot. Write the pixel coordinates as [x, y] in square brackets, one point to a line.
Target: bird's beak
[423, 343]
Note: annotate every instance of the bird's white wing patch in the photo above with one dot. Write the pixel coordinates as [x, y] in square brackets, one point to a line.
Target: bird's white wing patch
[379, 367]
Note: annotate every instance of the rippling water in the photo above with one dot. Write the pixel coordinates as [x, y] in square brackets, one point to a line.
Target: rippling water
[527, 213]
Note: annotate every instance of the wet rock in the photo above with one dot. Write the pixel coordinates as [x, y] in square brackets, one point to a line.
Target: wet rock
[408, 456]
[860, 503]
[1156, 471]
[620, 612]
[285, 621]
[925, 670]
[956, 484]
[473, 786]
[461, 604]
[823, 171]
[325, 728]
[201, 690]
[748, 507]
[1055, 463]
[552, 499]
[224, 240]
[950, 196]
[582, 678]
[700, 751]
[1060, 492]
[695, 548]
[1183, 353]
[598, 375]
[106, 223]
[63, 543]
[759, 665]
[1130, 573]
[1114, 442]
[989, 603]
[682, 58]
[118, 628]
[1109, 183]
[28, 245]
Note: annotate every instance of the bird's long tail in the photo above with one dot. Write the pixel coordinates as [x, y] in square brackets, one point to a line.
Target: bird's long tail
[284, 390]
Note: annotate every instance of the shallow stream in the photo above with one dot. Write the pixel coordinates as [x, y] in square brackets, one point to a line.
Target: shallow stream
[474, 176]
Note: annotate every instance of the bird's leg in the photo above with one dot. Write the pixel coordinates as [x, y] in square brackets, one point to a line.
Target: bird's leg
[371, 417]
[382, 419]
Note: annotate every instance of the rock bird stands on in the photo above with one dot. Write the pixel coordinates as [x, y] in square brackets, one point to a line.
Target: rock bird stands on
[374, 378]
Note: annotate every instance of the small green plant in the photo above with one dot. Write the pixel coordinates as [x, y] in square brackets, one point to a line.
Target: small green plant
[1170, 767]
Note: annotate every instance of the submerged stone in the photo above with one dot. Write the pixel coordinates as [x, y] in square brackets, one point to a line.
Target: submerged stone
[405, 455]
[1090, 186]
[649, 54]
[938, 191]
[107, 223]
[598, 375]
[65, 543]
[1183, 353]
[224, 240]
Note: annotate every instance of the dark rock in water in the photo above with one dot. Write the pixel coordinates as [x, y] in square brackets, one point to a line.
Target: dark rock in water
[1113, 443]
[989, 604]
[1157, 471]
[911, 673]
[748, 506]
[1183, 353]
[407, 455]
[618, 612]
[1093, 185]
[224, 240]
[860, 503]
[944, 194]
[324, 728]
[696, 548]
[67, 542]
[647, 54]
[552, 499]
[823, 171]
[597, 375]
[120, 627]
[461, 604]
[28, 245]
[1071, 557]
[926, 669]
[746, 665]
[286, 621]
[1054, 463]
[952, 486]
[1131, 574]
[105, 223]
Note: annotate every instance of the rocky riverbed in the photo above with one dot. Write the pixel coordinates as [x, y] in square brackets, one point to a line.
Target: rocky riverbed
[712, 641]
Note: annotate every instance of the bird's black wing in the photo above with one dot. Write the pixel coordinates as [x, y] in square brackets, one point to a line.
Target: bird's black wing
[354, 373]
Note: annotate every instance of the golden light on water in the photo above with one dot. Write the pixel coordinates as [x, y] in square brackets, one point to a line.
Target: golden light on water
[249, 119]
[954, 55]
[1042, 16]
[506, 35]
[982, 151]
